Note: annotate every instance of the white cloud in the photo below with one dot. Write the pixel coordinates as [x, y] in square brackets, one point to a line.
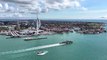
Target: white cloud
[32, 6]
[1, 6]
[44, 4]
[83, 8]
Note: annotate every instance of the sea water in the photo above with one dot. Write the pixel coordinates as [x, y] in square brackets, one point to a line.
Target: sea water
[84, 47]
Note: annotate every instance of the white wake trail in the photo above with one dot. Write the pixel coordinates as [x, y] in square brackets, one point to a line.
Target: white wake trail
[31, 49]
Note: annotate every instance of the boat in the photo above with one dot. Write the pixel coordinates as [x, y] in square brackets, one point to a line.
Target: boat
[29, 38]
[42, 52]
[66, 42]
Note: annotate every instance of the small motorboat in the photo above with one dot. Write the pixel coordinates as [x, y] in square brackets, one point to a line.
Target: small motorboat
[42, 52]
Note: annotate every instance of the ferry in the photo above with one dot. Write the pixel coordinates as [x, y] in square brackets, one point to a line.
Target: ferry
[42, 52]
[30, 38]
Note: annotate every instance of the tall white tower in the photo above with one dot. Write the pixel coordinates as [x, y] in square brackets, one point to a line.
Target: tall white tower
[38, 24]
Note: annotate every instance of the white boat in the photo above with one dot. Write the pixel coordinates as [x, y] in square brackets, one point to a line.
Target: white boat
[28, 38]
[42, 52]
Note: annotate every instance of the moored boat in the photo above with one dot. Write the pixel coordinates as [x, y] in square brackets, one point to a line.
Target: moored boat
[30, 38]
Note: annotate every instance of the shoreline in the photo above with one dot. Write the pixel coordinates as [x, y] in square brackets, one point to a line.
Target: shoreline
[52, 27]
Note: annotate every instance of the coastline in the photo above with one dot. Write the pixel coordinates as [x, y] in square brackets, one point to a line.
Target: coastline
[51, 27]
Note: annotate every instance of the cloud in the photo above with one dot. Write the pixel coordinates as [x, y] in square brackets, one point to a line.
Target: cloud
[18, 7]
[84, 8]
[41, 5]
[18, 1]
[1, 6]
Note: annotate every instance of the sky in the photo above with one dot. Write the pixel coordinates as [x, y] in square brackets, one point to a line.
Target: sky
[54, 9]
